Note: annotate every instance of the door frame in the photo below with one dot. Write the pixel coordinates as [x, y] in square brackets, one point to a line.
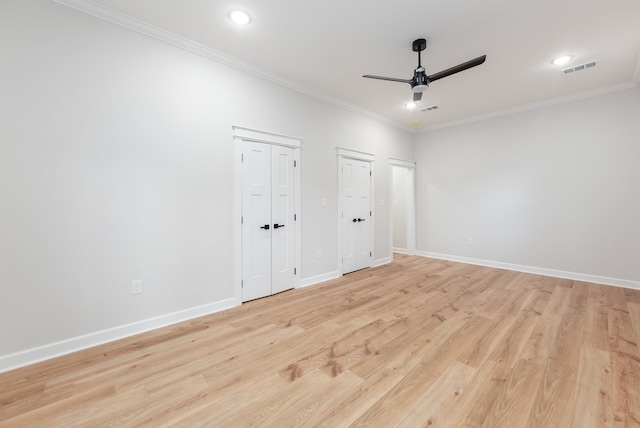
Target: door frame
[342, 153]
[411, 204]
[241, 134]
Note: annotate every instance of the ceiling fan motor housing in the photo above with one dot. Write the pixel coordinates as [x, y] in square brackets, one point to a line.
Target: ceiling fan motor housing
[420, 82]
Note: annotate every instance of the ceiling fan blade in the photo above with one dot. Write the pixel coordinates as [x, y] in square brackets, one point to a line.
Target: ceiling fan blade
[417, 96]
[392, 79]
[458, 68]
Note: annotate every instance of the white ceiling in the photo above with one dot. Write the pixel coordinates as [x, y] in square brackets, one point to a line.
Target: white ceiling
[326, 46]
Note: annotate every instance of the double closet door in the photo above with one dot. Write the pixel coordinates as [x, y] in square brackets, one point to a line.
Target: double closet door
[268, 216]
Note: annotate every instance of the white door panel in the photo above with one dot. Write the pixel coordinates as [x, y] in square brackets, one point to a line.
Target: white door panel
[256, 228]
[356, 218]
[282, 209]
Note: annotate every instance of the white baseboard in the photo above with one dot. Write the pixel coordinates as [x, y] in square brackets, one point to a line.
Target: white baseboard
[52, 350]
[625, 283]
[306, 282]
[400, 250]
[384, 261]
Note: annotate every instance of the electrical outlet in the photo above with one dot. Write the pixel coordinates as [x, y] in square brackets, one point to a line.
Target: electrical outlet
[136, 287]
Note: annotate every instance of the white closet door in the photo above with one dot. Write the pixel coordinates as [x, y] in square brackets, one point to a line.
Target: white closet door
[256, 220]
[282, 218]
[268, 245]
[356, 204]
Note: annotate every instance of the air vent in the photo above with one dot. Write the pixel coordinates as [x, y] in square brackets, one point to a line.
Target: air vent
[579, 67]
[429, 108]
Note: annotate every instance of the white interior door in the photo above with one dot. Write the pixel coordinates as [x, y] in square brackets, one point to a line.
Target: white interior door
[256, 220]
[356, 214]
[268, 246]
[282, 218]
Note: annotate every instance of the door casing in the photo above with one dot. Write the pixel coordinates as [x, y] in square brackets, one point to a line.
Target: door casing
[241, 134]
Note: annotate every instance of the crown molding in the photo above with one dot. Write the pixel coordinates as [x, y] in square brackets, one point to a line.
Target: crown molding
[157, 33]
[533, 106]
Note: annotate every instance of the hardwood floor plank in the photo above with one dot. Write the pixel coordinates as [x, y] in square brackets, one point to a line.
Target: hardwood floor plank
[634, 315]
[368, 393]
[433, 406]
[416, 342]
[622, 337]
[510, 347]
[554, 399]
[418, 373]
[413, 340]
[514, 403]
[569, 337]
[488, 383]
[626, 389]
[484, 345]
[542, 340]
[311, 411]
[592, 406]
[70, 411]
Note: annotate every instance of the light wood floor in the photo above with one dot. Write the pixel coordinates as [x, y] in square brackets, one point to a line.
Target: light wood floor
[419, 342]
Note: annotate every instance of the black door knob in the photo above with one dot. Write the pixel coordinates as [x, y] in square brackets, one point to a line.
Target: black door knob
[276, 226]
[266, 226]
[355, 219]
[360, 219]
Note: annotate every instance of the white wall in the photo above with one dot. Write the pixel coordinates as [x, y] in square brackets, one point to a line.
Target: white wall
[116, 164]
[556, 188]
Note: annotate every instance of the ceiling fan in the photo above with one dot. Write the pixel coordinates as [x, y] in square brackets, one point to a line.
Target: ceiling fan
[421, 80]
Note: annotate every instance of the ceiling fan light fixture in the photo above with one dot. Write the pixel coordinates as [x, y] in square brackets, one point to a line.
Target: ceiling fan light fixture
[561, 60]
[410, 105]
[419, 88]
[240, 17]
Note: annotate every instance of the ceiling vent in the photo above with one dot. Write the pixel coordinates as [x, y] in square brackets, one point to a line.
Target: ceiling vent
[579, 67]
[429, 108]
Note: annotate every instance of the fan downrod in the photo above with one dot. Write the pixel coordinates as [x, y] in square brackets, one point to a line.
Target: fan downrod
[419, 45]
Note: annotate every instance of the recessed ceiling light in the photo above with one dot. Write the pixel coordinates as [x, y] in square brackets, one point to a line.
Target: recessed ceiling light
[562, 59]
[410, 105]
[239, 17]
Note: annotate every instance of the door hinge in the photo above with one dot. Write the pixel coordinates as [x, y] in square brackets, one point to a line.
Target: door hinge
[369, 173]
[295, 163]
[241, 284]
[295, 217]
[295, 271]
[369, 213]
[241, 220]
[370, 254]
[242, 157]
